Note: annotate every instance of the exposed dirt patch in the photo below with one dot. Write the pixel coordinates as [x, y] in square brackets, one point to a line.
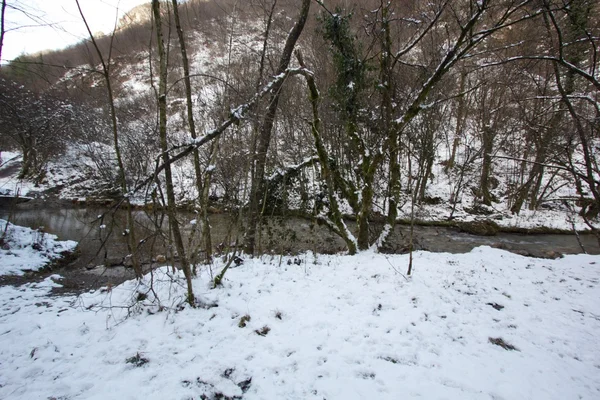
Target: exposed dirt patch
[500, 342]
[74, 280]
[10, 170]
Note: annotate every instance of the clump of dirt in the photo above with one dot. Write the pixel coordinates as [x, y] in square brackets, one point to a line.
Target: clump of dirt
[212, 393]
[500, 342]
[138, 360]
[263, 331]
[496, 306]
[244, 320]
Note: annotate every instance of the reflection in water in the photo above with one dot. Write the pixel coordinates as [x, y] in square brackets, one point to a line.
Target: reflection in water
[279, 236]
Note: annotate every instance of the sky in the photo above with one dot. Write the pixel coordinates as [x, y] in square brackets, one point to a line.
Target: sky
[30, 35]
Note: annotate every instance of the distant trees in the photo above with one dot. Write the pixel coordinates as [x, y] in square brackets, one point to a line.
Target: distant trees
[573, 33]
[40, 125]
[497, 99]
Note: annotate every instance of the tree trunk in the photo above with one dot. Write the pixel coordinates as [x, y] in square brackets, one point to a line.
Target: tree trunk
[202, 186]
[389, 125]
[336, 224]
[2, 28]
[362, 218]
[426, 174]
[188, 94]
[264, 139]
[486, 167]
[206, 233]
[460, 121]
[130, 227]
[162, 127]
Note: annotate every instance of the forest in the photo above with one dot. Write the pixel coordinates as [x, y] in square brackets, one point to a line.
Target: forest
[304, 199]
[382, 111]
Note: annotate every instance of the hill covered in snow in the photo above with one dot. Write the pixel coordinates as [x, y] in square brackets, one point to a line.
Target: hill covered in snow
[416, 120]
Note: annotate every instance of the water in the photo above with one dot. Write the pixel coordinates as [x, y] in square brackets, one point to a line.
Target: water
[280, 236]
[102, 251]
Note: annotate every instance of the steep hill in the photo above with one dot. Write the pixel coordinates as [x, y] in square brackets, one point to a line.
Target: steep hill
[464, 133]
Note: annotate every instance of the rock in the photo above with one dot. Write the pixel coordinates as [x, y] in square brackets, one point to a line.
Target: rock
[113, 262]
[128, 261]
[480, 228]
[552, 254]
[433, 201]
[480, 209]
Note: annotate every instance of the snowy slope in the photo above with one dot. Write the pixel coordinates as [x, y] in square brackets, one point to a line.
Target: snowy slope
[340, 328]
[23, 249]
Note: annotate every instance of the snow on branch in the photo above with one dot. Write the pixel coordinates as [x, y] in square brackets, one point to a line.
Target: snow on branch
[236, 115]
[283, 174]
[561, 61]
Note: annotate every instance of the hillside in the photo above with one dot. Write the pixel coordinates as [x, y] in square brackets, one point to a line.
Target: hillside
[306, 199]
[433, 135]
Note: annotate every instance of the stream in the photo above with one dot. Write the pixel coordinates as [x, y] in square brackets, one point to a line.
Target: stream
[102, 248]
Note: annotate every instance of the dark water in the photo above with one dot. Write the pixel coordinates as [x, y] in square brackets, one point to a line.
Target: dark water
[102, 251]
[279, 236]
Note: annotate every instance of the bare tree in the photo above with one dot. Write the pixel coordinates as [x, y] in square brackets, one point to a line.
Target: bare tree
[105, 72]
[2, 28]
[162, 127]
[264, 140]
[468, 25]
[571, 41]
[202, 185]
[39, 124]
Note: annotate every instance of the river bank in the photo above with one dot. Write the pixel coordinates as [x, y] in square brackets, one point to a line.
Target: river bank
[101, 259]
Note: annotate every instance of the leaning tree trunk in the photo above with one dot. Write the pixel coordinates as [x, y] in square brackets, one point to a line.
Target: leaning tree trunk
[461, 117]
[202, 185]
[486, 167]
[389, 125]
[264, 140]
[162, 128]
[329, 175]
[2, 28]
[130, 230]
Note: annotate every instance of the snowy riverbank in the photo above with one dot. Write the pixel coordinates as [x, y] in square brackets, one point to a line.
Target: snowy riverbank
[79, 185]
[334, 327]
[23, 249]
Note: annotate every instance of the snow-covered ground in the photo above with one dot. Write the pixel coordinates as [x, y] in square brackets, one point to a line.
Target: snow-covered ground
[332, 327]
[63, 174]
[10, 166]
[24, 249]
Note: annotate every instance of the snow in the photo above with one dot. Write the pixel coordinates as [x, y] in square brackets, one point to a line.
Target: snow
[10, 185]
[341, 327]
[23, 249]
[8, 156]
